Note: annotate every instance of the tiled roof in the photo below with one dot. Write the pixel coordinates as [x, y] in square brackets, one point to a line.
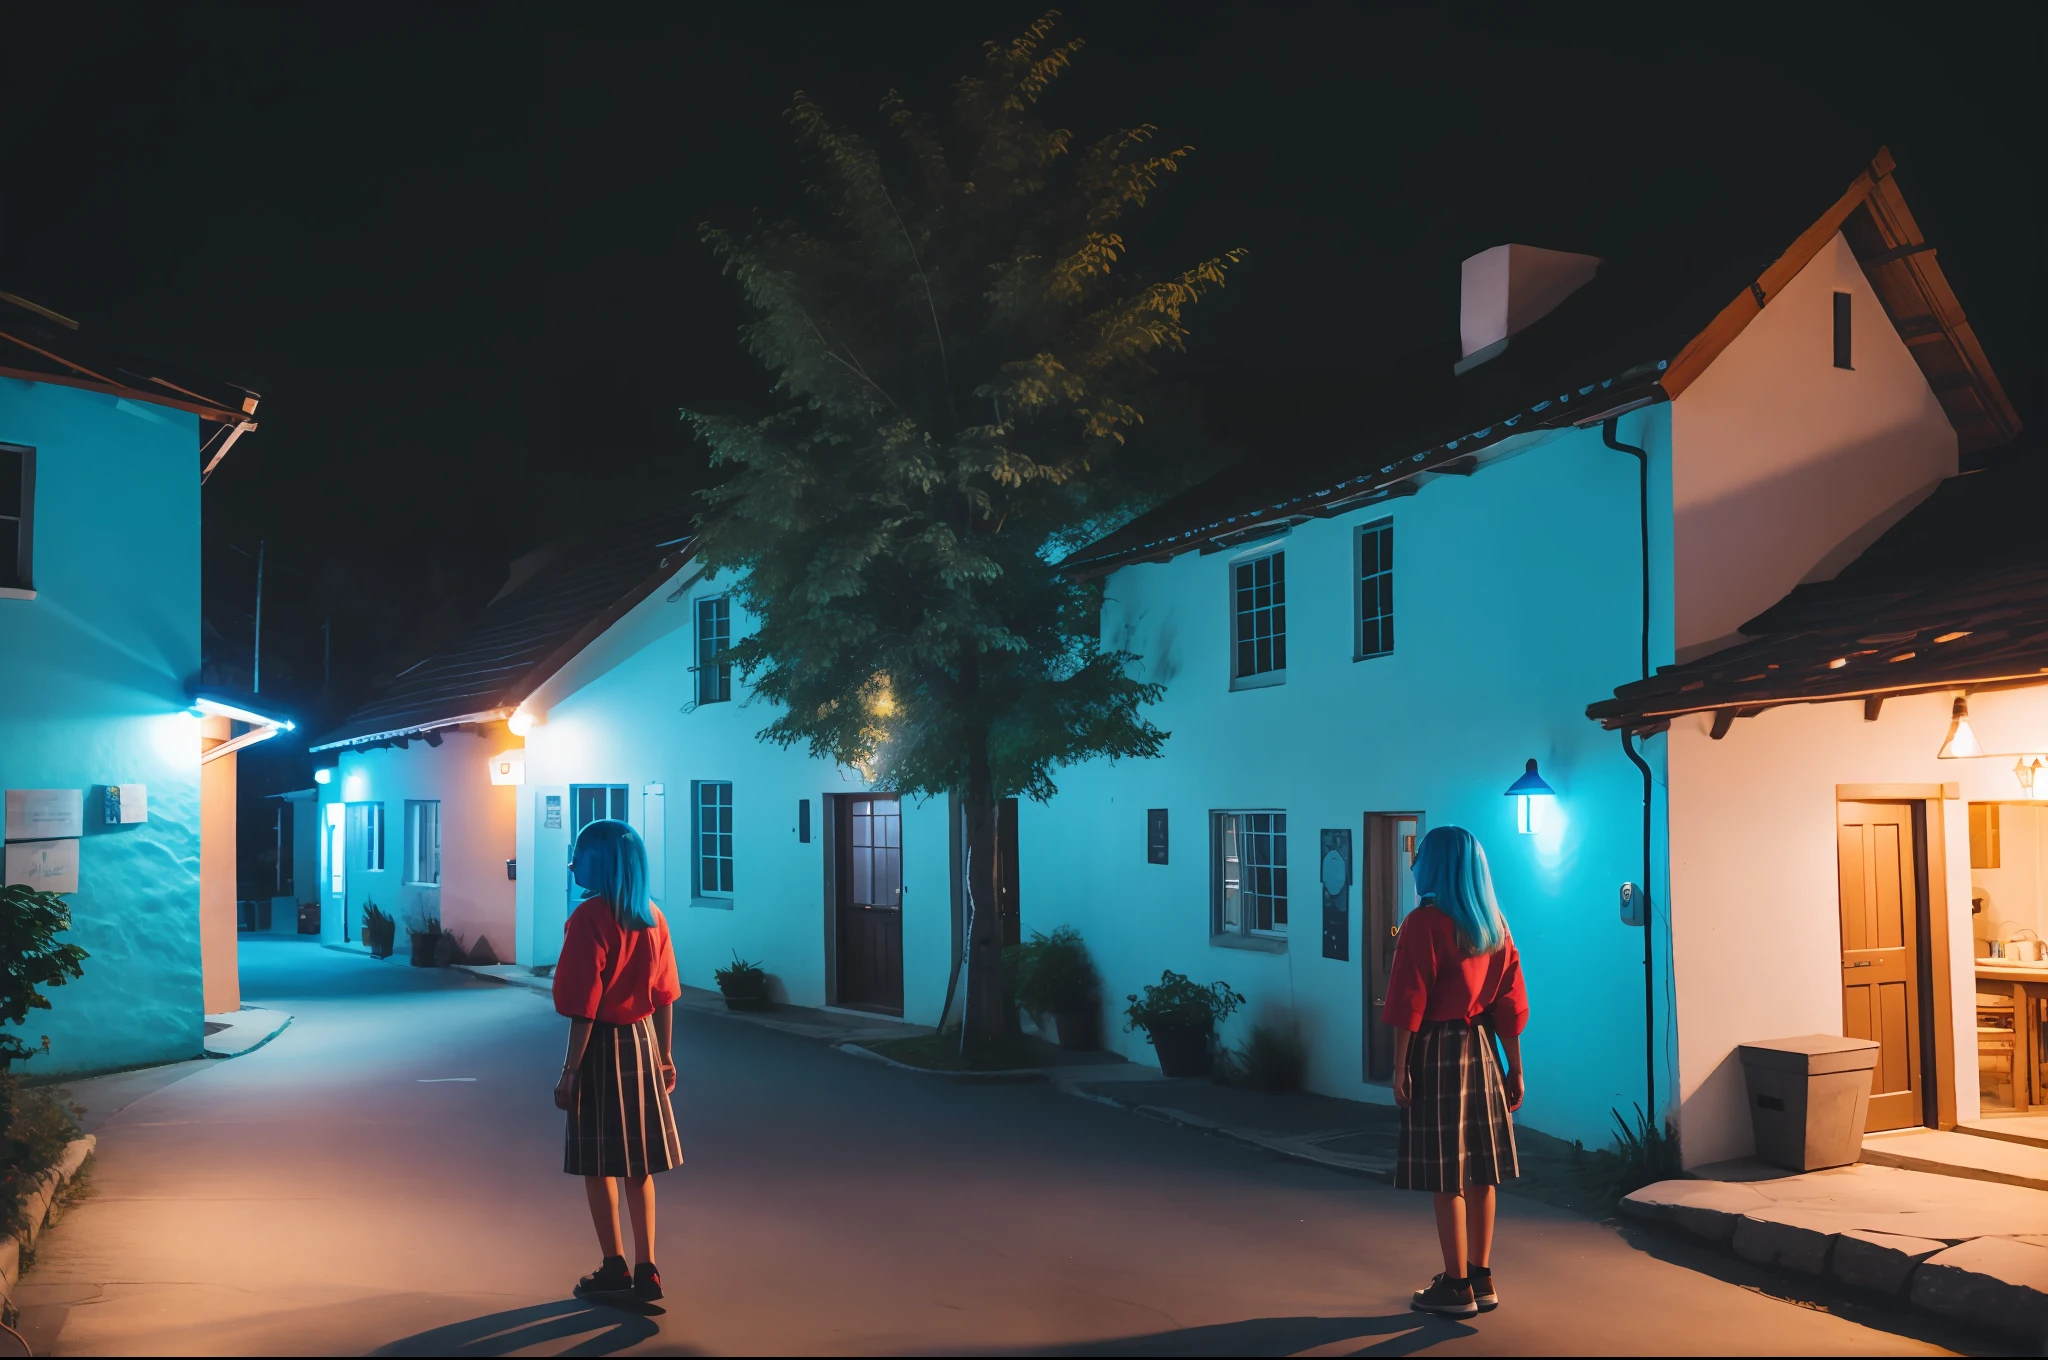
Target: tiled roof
[40, 346]
[525, 636]
[1640, 332]
[1953, 596]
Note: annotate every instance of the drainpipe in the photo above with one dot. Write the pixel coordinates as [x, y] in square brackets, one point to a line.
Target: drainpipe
[1608, 429]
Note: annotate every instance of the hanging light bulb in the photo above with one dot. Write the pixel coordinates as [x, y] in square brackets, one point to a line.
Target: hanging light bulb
[1961, 743]
[1532, 794]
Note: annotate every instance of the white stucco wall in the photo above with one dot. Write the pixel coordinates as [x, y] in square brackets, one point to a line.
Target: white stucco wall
[474, 897]
[1516, 603]
[1754, 879]
[1786, 467]
[615, 715]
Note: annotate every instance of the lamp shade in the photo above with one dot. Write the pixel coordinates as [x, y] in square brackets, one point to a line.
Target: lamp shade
[1961, 743]
[1531, 783]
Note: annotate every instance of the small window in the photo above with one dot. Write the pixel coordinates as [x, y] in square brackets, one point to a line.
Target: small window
[373, 837]
[714, 838]
[1259, 619]
[423, 844]
[1375, 589]
[714, 635]
[1250, 873]
[17, 516]
[1843, 354]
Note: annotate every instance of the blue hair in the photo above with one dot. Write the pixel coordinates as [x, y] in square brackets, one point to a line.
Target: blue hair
[610, 861]
[1451, 871]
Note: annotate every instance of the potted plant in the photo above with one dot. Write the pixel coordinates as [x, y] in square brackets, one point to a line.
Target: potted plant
[1055, 977]
[1179, 1018]
[379, 930]
[744, 985]
[426, 934]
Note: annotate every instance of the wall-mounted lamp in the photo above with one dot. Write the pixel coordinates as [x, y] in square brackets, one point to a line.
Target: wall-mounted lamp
[2028, 773]
[1531, 795]
[520, 723]
[324, 775]
[1961, 742]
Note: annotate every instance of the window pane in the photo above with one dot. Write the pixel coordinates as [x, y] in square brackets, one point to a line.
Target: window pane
[1376, 589]
[1261, 615]
[11, 464]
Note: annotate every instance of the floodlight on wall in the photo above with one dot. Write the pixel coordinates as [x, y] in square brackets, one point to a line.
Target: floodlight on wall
[520, 723]
[1532, 795]
[324, 775]
[1961, 742]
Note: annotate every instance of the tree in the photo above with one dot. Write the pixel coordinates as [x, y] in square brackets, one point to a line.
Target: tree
[960, 361]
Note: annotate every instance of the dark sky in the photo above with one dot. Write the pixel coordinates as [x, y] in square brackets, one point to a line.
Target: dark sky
[455, 248]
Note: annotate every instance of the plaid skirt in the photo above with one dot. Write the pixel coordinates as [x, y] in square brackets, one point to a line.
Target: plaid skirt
[621, 1123]
[1456, 1131]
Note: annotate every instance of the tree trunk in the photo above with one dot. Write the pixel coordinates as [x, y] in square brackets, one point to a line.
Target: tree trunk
[985, 1020]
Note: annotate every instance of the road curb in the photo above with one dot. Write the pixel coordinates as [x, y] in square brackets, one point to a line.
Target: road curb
[36, 1205]
[1294, 1149]
[1015, 1076]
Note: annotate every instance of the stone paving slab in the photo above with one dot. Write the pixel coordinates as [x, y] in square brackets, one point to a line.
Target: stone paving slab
[1962, 1155]
[1992, 1280]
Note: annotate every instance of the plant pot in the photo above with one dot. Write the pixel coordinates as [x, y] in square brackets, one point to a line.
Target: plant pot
[1183, 1052]
[379, 949]
[1079, 1030]
[746, 999]
[423, 948]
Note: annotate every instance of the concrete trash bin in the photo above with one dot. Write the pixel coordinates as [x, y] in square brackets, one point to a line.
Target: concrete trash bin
[1809, 1098]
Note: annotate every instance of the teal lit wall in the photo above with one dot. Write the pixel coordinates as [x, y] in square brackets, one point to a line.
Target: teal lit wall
[93, 673]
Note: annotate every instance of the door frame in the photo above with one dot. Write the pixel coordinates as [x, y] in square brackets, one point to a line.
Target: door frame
[1932, 960]
[1372, 904]
[834, 806]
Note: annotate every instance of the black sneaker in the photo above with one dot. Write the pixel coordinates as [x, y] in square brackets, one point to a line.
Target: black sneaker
[1481, 1280]
[646, 1282]
[1449, 1297]
[610, 1278]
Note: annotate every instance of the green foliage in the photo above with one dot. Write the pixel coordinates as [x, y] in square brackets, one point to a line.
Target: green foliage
[1644, 1152]
[379, 929]
[1174, 1003]
[740, 977]
[39, 1125]
[961, 360]
[31, 959]
[1052, 973]
[1274, 1057]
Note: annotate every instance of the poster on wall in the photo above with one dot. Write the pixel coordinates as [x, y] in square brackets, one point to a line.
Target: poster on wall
[48, 866]
[39, 814]
[1336, 867]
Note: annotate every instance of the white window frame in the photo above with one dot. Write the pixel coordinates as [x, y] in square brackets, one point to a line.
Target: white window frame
[714, 681]
[423, 842]
[373, 838]
[719, 839]
[1276, 553]
[1359, 583]
[18, 577]
[1234, 911]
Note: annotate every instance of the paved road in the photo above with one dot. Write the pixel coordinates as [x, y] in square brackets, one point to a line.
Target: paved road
[336, 1193]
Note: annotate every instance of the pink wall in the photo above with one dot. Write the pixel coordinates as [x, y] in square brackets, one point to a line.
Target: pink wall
[1786, 467]
[1753, 899]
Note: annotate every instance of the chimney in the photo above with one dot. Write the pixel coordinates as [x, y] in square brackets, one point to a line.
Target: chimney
[1508, 289]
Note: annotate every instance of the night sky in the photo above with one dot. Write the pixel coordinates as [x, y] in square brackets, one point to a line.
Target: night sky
[455, 248]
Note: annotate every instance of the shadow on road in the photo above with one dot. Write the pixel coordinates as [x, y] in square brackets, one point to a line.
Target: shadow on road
[610, 1329]
[1405, 1333]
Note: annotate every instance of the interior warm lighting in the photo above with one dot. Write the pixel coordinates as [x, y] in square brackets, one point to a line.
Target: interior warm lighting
[1905, 656]
[1838, 663]
[519, 724]
[1961, 743]
[1532, 798]
[323, 775]
[2026, 772]
[1951, 637]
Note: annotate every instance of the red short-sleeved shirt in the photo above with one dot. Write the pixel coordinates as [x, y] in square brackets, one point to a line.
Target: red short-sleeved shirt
[612, 974]
[1433, 979]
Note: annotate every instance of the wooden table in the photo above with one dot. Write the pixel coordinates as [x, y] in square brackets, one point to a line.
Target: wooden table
[2029, 983]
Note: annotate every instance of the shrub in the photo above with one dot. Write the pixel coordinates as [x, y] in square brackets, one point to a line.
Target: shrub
[35, 1124]
[740, 978]
[1053, 974]
[1174, 1003]
[1645, 1153]
[1274, 1057]
[379, 930]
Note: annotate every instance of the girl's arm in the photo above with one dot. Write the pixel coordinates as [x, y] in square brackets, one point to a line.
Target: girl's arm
[664, 1032]
[579, 1040]
[1403, 1091]
[1513, 1044]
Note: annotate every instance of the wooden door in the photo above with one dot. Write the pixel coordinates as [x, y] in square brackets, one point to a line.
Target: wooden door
[870, 903]
[1390, 842]
[1880, 953]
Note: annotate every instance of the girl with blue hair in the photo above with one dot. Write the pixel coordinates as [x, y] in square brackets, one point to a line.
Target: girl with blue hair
[616, 982]
[1456, 984]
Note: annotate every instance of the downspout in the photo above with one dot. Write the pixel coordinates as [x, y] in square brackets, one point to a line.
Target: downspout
[1608, 430]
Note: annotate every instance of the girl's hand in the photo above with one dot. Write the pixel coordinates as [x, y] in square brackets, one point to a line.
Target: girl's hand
[565, 1090]
[1514, 1084]
[1404, 1088]
[668, 1077]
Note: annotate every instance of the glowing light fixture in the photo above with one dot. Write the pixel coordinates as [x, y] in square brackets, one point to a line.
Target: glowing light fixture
[1961, 743]
[324, 775]
[2028, 773]
[520, 723]
[214, 708]
[1532, 795]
